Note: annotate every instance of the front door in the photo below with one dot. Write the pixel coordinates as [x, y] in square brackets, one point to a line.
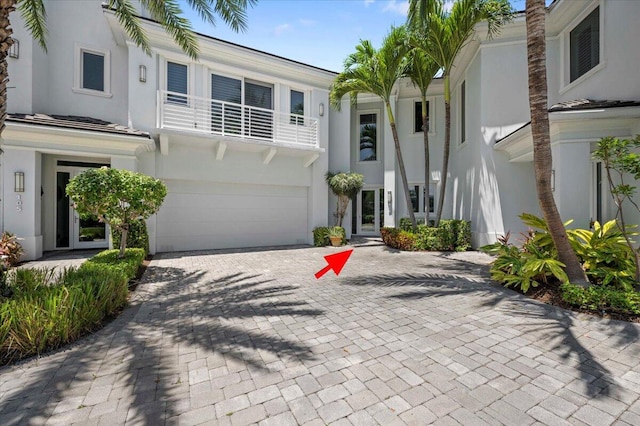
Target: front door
[370, 211]
[74, 231]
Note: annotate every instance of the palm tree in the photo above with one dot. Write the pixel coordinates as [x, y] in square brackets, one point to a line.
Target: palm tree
[538, 104]
[166, 12]
[443, 35]
[368, 70]
[420, 69]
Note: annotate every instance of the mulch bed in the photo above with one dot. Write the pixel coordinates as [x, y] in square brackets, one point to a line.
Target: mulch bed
[550, 294]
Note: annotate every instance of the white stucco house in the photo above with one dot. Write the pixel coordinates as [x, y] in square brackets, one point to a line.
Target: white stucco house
[243, 138]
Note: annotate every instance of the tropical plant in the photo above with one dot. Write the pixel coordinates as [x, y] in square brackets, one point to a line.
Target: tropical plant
[542, 160]
[335, 231]
[621, 161]
[117, 197]
[441, 35]
[376, 71]
[421, 69]
[11, 248]
[166, 12]
[345, 186]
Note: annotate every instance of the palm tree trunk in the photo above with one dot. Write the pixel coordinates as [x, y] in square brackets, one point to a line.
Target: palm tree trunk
[6, 7]
[447, 146]
[538, 103]
[427, 168]
[403, 172]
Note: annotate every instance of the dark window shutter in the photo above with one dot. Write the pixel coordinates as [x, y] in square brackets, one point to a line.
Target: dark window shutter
[257, 95]
[177, 78]
[584, 45]
[226, 89]
[92, 71]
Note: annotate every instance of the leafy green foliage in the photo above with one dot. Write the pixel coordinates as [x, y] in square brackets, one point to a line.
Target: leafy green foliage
[451, 235]
[51, 308]
[398, 239]
[523, 267]
[10, 247]
[321, 235]
[345, 186]
[137, 237]
[117, 197]
[602, 298]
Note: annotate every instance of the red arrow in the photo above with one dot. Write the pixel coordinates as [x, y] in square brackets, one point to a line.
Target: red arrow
[335, 261]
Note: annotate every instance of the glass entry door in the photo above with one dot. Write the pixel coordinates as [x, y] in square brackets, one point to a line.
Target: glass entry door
[370, 211]
[74, 231]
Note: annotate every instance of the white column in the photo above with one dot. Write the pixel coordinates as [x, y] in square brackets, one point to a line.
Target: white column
[23, 210]
[389, 159]
[340, 157]
[318, 196]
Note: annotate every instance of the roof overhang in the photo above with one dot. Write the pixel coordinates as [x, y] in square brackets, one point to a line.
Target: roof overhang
[58, 140]
[580, 126]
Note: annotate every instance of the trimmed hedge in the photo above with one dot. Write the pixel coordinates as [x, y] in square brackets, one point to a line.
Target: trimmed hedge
[50, 308]
[451, 235]
[601, 298]
[137, 237]
[321, 236]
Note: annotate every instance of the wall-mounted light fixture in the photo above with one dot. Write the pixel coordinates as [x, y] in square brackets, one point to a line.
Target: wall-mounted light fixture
[14, 50]
[19, 182]
[142, 76]
[553, 180]
[321, 109]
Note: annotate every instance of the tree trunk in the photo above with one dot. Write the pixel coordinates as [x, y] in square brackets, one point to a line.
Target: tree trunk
[123, 241]
[6, 7]
[447, 145]
[542, 161]
[403, 172]
[427, 168]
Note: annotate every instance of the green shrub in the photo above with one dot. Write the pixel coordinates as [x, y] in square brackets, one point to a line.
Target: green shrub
[137, 237]
[405, 223]
[601, 298]
[449, 236]
[398, 239]
[108, 259]
[321, 236]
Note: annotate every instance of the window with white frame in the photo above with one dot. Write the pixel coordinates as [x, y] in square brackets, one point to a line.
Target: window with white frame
[417, 117]
[177, 82]
[463, 112]
[368, 136]
[417, 194]
[92, 71]
[297, 106]
[584, 45]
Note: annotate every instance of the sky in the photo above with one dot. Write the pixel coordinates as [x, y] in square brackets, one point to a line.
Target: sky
[316, 32]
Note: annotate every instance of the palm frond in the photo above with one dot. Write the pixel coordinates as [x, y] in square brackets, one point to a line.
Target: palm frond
[127, 17]
[35, 17]
[233, 12]
[169, 15]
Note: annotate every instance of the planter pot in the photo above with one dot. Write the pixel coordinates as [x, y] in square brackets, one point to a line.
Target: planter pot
[336, 241]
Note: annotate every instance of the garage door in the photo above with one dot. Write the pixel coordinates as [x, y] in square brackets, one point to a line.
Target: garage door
[199, 216]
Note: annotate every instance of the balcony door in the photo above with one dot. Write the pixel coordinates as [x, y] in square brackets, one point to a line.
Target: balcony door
[259, 116]
[74, 231]
[226, 109]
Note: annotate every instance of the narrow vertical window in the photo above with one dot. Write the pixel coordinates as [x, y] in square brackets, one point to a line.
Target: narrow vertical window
[297, 107]
[177, 82]
[417, 117]
[368, 137]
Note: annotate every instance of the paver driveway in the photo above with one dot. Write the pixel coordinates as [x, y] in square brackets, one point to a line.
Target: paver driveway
[243, 337]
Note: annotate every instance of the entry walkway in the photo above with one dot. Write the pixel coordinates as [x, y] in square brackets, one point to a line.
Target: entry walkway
[399, 338]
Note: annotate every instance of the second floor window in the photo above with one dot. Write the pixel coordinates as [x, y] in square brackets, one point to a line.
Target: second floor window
[297, 106]
[177, 82]
[584, 45]
[368, 137]
[93, 71]
[417, 114]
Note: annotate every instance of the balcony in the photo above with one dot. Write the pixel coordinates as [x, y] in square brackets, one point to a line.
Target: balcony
[235, 122]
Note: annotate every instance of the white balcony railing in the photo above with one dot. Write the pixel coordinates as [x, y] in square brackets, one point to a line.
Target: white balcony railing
[194, 114]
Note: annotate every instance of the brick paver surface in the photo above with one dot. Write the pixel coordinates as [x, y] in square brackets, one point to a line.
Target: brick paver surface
[251, 337]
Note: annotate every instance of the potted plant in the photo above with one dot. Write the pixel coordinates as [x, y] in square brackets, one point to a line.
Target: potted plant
[336, 234]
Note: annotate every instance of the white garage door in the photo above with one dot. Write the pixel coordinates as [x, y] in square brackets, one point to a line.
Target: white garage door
[198, 216]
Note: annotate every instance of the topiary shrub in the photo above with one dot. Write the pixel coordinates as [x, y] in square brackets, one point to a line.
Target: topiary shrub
[137, 237]
[321, 236]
